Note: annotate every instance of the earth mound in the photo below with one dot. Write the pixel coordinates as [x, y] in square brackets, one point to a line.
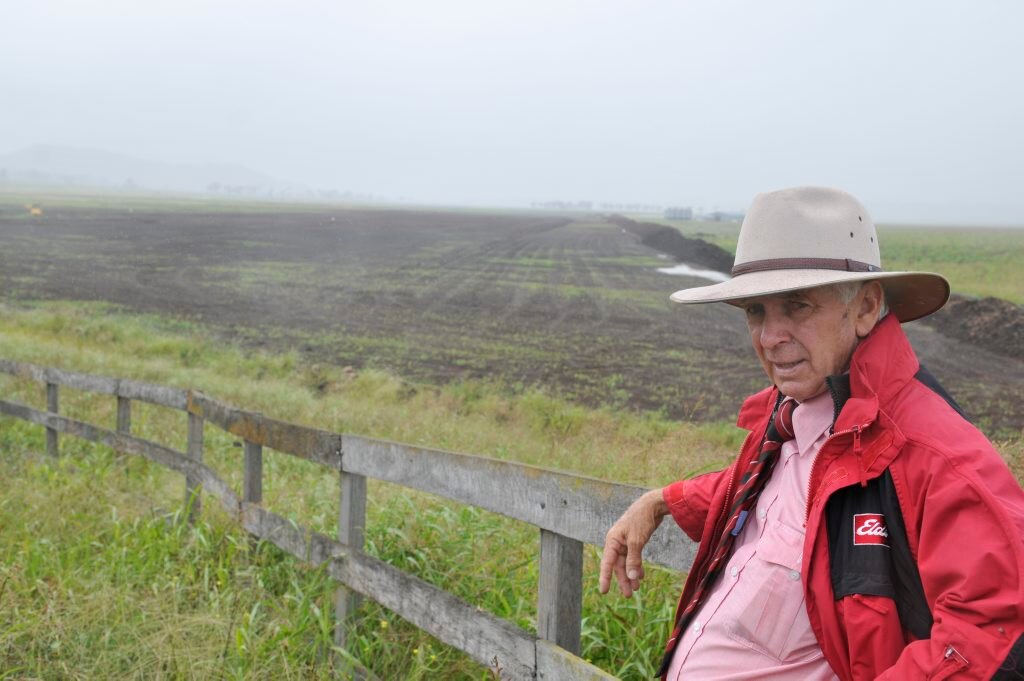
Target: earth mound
[992, 323]
[668, 240]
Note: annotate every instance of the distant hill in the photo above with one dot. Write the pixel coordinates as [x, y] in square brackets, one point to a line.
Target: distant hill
[59, 165]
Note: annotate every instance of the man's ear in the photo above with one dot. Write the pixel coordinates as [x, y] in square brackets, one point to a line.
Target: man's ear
[869, 307]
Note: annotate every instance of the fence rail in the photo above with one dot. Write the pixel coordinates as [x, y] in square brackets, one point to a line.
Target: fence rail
[569, 511]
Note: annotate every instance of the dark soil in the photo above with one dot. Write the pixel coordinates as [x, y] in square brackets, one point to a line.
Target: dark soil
[576, 306]
[990, 323]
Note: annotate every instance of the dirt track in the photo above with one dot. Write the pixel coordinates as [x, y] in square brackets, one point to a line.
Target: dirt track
[575, 305]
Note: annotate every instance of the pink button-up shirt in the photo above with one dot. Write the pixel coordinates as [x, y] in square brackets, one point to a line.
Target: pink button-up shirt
[754, 624]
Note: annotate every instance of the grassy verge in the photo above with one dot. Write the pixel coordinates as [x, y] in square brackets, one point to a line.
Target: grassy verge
[977, 261]
[99, 578]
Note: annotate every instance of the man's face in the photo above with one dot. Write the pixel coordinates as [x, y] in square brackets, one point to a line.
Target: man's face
[803, 337]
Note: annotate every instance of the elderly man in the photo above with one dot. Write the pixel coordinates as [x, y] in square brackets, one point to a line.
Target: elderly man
[866, 529]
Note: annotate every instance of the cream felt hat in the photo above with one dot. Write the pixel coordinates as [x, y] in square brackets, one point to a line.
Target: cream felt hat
[804, 237]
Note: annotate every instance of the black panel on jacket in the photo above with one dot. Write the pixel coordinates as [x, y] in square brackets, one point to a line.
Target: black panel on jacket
[875, 569]
[1012, 668]
[857, 568]
[933, 384]
[911, 604]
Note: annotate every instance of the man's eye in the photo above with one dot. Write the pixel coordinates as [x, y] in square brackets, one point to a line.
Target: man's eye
[754, 310]
[796, 305]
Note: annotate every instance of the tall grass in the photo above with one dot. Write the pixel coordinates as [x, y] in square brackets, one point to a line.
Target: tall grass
[100, 578]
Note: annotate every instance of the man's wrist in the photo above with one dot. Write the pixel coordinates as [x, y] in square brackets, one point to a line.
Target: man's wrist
[655, 500]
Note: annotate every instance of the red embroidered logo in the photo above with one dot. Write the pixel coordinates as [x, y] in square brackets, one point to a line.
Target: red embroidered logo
[869, 528]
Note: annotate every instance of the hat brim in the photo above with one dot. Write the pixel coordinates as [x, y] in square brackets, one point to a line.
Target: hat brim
[909, 295]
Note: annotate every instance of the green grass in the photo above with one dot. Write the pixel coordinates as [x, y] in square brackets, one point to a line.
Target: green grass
[15, 198]
[978, 261]
[13, 201]
[99, 578]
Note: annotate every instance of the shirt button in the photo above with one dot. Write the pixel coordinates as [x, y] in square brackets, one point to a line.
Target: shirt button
[761, 513]
[734, 571]
[794, 575]
[696, 627]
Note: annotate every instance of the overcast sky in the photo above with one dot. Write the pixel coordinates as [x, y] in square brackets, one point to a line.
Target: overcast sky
[916, 107]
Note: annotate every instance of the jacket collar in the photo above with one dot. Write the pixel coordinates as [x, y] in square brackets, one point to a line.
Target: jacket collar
[883, 363]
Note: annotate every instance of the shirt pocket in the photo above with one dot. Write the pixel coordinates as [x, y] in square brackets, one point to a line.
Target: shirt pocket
[766, 608]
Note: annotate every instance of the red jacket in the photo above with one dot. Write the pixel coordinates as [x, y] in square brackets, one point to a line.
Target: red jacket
[962, 507]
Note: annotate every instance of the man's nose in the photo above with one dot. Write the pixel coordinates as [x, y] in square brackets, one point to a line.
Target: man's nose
[775, 329]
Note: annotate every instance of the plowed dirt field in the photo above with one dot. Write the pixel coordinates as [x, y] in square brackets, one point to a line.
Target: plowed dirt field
[572, 303]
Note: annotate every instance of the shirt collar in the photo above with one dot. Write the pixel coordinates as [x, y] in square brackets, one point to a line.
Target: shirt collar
[810, 419]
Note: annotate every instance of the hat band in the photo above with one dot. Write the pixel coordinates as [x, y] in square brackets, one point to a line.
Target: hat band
[842, 264]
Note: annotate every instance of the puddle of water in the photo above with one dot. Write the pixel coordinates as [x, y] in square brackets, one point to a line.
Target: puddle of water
[687, 271]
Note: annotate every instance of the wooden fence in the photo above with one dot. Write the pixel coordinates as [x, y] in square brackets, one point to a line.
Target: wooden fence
[568, 510]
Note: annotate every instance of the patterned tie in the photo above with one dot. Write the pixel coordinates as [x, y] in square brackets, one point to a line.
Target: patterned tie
[780, 429]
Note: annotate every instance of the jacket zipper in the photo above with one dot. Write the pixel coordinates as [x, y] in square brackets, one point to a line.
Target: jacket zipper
[862, 473]
[960, 659]
[942, 669]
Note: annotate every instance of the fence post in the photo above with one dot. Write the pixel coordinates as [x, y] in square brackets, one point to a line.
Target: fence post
[124, 415]
[195, 452]
[252, 486]
[252, 480]
[52, 406]
[560, 592]
[351, 532]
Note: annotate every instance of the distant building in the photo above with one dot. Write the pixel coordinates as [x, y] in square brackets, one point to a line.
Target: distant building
[678, 213]
[721, 216]
[564, 205]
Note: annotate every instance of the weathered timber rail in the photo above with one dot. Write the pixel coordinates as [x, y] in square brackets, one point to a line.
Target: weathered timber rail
[569, 511]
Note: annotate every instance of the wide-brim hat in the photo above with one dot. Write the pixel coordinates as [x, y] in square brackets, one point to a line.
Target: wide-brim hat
[805, 237]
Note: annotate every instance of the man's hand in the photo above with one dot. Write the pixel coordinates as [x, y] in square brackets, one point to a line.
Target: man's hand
[626, 539]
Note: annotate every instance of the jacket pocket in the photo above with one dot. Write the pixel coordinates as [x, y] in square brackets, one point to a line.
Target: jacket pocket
[766, 608]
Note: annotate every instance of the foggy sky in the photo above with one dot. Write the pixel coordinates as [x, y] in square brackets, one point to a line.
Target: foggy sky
[916, 107]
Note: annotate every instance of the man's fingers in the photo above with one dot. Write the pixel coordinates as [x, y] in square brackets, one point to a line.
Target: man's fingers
[605, 579]
[628, 565]
[625, 587]
[612, 555]
[613, 562]
[634, 559]
[624, 543]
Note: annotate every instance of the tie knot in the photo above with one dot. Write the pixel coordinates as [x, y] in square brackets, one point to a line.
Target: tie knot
[784, 419]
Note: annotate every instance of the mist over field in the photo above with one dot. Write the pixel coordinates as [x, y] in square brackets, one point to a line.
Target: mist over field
[436, 240]
[912, 107]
